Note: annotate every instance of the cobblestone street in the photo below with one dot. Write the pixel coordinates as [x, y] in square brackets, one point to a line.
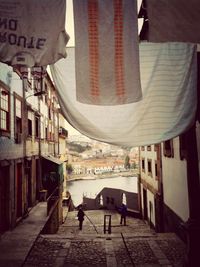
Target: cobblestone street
[132, 245]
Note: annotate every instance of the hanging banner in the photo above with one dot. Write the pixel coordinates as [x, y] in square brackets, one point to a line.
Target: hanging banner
[32, 33]
[168, 108]
[106, 52]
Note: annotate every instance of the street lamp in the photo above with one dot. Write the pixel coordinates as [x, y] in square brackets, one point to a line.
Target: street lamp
[37, 94]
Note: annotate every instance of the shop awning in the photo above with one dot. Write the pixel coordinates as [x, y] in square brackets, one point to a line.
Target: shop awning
[53, 159]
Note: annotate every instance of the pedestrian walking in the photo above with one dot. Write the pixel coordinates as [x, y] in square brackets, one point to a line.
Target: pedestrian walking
[123, 212]
[80, 216]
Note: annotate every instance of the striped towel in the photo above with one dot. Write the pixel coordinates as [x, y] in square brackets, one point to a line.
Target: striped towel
[106, 52]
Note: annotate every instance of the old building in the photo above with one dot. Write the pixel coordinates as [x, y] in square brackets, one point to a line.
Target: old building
[180, 156]
[29, 142]
[150, 185]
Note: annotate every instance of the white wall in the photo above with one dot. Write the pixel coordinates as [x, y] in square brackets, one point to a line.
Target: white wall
[175, 183]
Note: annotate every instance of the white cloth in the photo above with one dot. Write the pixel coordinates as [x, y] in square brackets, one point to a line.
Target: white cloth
[32, 33]
[107, 56]
[169, 84]
[173, 21]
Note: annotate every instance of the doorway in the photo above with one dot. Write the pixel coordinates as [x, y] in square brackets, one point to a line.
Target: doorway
[145, 204]
[4, 200]
[19, 189]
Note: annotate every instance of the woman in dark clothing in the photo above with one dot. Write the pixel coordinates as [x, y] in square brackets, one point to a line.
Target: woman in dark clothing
[80, 216]
[123, 211]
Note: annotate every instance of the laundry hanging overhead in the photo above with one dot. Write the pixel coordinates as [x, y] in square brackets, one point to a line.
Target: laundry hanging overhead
[173, 21]
[168, 76]
[107, 53]
[32, 33]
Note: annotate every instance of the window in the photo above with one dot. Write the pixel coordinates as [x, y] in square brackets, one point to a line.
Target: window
[50, 113]
[37, 121]
[30, 126]
[46, 129]
[18, 118]
[42, 127]
[156, 170]
[143, 165]
[168, 148]
[149, 164]
[142, 148]
[148, 148]
[4, 108]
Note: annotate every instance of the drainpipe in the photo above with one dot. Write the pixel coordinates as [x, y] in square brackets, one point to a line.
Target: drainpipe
[24, 118]
[139, 184]
[39, 140]
[160, 223]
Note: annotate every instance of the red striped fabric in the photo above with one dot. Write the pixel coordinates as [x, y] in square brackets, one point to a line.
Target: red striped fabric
[93, 49]
[118, 31]
[106, 52]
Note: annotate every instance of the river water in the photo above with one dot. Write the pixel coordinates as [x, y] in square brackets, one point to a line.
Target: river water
[91, 188]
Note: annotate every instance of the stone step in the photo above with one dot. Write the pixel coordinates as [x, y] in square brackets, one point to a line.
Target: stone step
[132, 245]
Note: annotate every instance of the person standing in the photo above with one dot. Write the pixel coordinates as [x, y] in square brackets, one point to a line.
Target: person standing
[80, 216]
[123, 211]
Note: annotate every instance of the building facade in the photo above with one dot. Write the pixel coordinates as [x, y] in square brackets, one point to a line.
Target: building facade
[150, 185]
[29, 136]
[163, 185]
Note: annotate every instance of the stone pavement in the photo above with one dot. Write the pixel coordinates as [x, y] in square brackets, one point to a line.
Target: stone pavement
[132, 245]
[15, 244]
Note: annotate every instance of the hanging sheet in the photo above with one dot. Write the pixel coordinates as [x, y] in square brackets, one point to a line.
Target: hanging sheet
[106, 37]
[168, 77]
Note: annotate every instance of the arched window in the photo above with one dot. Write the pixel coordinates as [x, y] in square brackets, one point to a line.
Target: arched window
[101, 200]
[123, 199]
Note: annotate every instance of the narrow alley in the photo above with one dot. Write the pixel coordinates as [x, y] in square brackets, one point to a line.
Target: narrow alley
[132, 245]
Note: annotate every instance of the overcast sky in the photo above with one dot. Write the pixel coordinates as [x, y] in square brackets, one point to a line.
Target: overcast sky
[70, 20]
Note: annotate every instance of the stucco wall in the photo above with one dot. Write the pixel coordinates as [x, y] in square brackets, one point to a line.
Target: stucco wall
[175, 183]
